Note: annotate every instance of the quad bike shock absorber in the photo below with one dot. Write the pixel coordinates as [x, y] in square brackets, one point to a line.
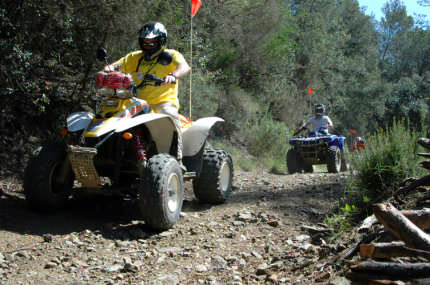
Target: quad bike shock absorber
[139, 145]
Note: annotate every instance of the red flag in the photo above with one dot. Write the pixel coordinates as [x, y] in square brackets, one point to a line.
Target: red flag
[310, 91]
[195, 5]
[352, 131]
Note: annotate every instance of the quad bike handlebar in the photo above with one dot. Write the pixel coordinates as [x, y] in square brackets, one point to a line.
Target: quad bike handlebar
[321, 131]
[299, 131]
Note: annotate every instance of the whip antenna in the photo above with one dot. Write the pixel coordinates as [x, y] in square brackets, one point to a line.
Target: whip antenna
[195, 5]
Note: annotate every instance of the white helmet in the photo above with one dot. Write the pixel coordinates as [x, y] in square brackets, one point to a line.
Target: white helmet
[319, 110]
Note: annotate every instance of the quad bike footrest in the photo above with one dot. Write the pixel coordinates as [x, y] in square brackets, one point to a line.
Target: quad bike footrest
[82, 160]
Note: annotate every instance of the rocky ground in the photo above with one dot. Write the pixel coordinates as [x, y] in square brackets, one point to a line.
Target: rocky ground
[268, 232]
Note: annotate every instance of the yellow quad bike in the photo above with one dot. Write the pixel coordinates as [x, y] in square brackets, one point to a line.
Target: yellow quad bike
[126, 150]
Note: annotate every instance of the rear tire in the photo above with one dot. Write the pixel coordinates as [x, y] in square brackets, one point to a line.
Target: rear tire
[334, 160]
[44, 188]
[161, 192]
[294, 164]
[214, 183]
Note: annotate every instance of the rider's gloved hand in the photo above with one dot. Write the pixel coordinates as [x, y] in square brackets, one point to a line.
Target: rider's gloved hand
[111, 67]
[169, 79]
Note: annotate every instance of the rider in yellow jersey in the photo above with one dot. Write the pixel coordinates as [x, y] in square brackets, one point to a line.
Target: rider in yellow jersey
[154, 58]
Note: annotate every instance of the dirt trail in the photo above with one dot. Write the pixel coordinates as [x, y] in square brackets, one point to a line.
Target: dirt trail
[259, 236]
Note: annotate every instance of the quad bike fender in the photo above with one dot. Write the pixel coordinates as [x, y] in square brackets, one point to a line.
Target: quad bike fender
[160, 126]
[195, 136]
[338, 141]
[79, 121]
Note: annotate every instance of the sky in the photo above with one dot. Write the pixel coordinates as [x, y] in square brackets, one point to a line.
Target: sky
[375, 6]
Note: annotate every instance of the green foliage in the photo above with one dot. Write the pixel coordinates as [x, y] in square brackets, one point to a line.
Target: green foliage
[389, 158]
[267, 140]
[241, 159]
[342, 220]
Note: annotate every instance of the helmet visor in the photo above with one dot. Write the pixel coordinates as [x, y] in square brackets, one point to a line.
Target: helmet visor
[149, 44]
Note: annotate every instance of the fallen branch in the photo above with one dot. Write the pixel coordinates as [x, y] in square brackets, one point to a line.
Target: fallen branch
[393, 271]
[415, 182]
[424, 154]
[425, 164]
[356, 247]
[401, 227]
[423, 198]
[367, 224]
[393, 249]
[425, 142]
[421, 218]
[378, 279]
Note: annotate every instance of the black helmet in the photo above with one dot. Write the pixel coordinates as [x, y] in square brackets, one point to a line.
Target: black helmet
[319, 110]
[152, 31]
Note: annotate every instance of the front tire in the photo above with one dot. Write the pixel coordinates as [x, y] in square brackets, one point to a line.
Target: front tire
[161, 192]
[308, 168]
[294, 164]
[48, 178]
[214, 183]
[334, 160]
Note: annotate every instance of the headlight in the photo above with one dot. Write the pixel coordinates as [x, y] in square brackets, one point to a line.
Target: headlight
[124, 93]
[105, 92]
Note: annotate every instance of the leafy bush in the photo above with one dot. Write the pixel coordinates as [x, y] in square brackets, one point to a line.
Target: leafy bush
[389, 158]
[266, 139]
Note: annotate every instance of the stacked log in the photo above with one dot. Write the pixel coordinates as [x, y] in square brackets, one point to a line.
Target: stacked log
[406, 258]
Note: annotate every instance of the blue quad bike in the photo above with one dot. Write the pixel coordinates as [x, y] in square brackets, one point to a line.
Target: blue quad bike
[316, 148]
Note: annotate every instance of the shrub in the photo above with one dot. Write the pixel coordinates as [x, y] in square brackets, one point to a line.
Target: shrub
[389, 158]
[266, 140]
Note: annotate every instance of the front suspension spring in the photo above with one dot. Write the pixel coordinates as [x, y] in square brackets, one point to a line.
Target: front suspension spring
[139, 145]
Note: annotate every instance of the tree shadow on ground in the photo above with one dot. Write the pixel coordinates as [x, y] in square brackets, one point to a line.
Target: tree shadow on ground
[112, 217]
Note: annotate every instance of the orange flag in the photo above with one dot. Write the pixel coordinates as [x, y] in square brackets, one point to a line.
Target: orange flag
[352, 131]
[310, 91]
[195, 5]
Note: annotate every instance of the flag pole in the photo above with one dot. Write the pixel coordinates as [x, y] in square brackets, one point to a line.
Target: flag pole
[191, 62]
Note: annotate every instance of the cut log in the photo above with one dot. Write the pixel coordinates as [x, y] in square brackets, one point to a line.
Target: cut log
[421, 218]
[392, 249]
[415, 182]
[400, 226]
[393, 271]
[425, 142]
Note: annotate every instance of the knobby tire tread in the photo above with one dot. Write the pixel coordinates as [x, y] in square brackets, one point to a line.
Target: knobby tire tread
[207, 185]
